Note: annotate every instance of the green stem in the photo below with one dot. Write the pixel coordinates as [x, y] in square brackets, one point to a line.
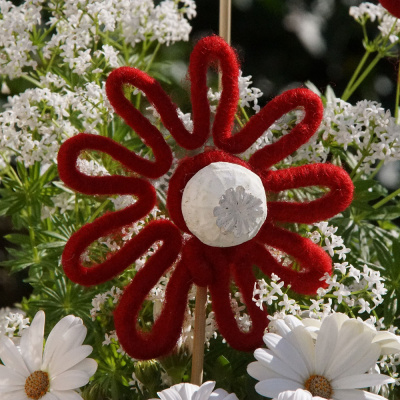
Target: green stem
[32, 80]
[139, 96]
[365, 153]
[32, 236]
[355, 74]
[366, 72]
[386, 199]
[99, 210]
[153, 57]
[239, 121]
[378, 167]
[396, 107]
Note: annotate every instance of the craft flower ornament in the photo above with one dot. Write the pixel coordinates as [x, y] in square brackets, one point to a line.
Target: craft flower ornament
[50, 374]
[240, 234]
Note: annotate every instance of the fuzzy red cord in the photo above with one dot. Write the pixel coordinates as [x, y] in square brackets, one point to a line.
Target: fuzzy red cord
[393, 6]
[195, 262]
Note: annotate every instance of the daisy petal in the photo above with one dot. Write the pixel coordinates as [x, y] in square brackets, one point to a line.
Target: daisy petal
[279, 367]
[9, 377]
[68, 380]
[72, 338]
[89, 366]
[169, 394]
[303, 342]
[349, 349]
[325, 344]
[70, 359]
[18, 395]
[11, 357]
[272, 387]
[8, 389]
[51, 396]
[361, 381]
[280, 327]
[221, 394]
[365, 362]
[32, 342]
[299, 394]
[356, 395]
[284, 350]
[204, 391]
[259, 371]
[390, 343]
[53, 340]
[67, 395]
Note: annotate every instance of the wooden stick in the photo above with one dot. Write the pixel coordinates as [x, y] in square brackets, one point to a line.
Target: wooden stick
[225, 11]
[225, 7]
[199, 335]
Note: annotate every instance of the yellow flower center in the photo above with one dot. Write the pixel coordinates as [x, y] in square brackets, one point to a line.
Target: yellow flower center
[37, 384]
[318, 385]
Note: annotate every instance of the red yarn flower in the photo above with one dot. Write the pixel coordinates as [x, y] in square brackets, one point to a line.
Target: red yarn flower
[393, 6]
[196, 262]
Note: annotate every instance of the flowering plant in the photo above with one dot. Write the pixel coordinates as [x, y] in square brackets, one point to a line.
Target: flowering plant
[64, 51]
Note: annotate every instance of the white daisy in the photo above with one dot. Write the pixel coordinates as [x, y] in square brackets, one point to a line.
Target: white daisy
[53, 374]
[328, 361]
[188, 391]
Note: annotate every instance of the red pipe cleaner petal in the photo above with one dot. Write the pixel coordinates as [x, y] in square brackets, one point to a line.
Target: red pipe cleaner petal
[200, 270]
[259, 123]
[187, 168]
[100, 185]
[151, 136]
[221, 303]
[327, 175]
[393, 6]
[123, 258]
[166, 330]
[206, 51]
[313, 260]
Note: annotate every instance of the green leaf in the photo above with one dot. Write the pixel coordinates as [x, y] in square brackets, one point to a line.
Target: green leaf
[383, 253]
[17, 238]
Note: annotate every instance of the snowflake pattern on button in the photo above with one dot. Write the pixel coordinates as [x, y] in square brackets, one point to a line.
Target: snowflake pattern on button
[238, 211]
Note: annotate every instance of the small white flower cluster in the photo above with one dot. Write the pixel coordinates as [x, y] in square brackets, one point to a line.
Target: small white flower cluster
[112, 338]
[332, 244]
[270, 293]
[100, 300]
[280, 127]
[91, 168]
[36, 122]
[356, 288]
[16, 25]
[243, 319]
[366, 126]
[12, 323]
[248, 96]
[387, 23]
[360, 289]
[128, 232]
[76, 26]
[266, 292]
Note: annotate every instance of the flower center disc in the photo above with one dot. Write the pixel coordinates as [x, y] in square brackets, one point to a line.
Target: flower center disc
[224, 204]
[37, 384]
[318, 385]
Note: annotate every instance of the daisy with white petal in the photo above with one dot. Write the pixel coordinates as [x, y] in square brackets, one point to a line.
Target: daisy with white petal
[188, 391]
[329, 362]
[29, 373]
